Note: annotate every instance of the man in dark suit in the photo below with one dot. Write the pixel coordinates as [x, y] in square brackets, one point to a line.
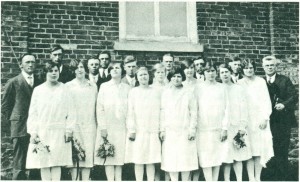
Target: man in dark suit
[105, 60]
[56, 56]
[199, 64]
[168, 62]
[130, 66]
[15, 106]
[283, 96]
[93, 66]
[235, 65]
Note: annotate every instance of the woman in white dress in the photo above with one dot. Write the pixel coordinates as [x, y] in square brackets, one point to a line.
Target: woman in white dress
[178, 128]
[212, 123]
[238, 115]
[160, 83]
[143, 147]
[189, 71]
[48, 126]
[111, 118]
[259, 108]
[82, 98]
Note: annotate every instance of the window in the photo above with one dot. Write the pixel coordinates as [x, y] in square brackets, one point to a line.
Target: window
[157, 22]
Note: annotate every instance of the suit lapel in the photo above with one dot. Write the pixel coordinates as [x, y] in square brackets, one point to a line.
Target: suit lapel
[23, 84]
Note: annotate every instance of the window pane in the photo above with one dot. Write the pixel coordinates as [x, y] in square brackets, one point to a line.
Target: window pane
[173, 19]
[140, 18]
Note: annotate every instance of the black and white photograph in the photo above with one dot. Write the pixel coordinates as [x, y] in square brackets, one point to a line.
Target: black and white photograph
[149, 90]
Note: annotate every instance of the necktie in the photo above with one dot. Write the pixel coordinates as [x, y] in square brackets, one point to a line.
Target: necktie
[30, 81]
[269, 81]
[103, 74]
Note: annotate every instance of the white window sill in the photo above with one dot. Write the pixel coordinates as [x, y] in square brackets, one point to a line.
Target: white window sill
[157, 46]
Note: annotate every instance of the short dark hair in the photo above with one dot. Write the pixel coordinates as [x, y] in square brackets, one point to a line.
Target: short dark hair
[188, 63]
[235, 59]
[56, 47]
[48, 66]
[177, 70]
[74, 65]
[209, 65]
[225, 65]
[246, 62]
[23, 55]
[200, 57]
[104, 52]
[129, 59]
[111, 66]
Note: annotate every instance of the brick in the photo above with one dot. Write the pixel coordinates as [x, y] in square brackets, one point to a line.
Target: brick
[46, 26]
[42, 35]
[84, 47]
[62, 41]
[53, 31]
[72, 22]
[60, 36]
[79, 32]
[80, 51]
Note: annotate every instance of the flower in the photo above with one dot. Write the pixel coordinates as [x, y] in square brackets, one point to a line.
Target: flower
[239, 141]
[78, 153]
[40, 147]
[106, 149]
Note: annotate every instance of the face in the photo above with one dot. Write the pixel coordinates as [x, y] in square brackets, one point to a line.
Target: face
[93, 66]
[225, 75]
[249, 70]
[56, 56]
[116, 71]
[176, 80]
[189, 72]
[168, 62]
[130, 68]
[269, 67]
[53, 74]
[160, 74]
[210, 75]
[80, 71]
[235, 66]
[104, 60]
[199, 64]
[143, 77]
[28, 64]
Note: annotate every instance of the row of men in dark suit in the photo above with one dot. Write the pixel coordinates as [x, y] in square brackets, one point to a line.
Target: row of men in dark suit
[18, 90]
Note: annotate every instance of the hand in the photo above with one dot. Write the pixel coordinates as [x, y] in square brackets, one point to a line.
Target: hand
[263, 124]
[191, 136]
[34, 138]
[223, 135]
[69, 136]
[279, 107]
[162, 136]
[104, 133]
[242, 132]
[132, 136]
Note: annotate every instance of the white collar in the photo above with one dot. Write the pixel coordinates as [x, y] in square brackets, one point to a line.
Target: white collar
[26, 75]
[271, 78]
[129, 78]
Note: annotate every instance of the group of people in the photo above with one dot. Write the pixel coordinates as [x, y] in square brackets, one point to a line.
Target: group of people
[171, 118]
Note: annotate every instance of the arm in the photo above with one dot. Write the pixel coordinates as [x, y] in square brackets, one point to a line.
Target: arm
[102, 125]
[130, 121]
[193, 114]
[243, 110]
[291, 95]
[32, 121]
[8, 101]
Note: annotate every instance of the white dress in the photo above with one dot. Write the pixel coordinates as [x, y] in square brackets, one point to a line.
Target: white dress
[238, 116]
[178, 119]
[260, 108]
[111, 115]
[143, 119]
[47, 118]
[82, 115]
[191, 84]
[212, 118]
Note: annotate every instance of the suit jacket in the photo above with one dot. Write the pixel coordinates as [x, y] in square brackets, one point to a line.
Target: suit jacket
[239, 77]
[283, 91]
[100, 80]
[124, 80]
[65, 75]
[16, 102]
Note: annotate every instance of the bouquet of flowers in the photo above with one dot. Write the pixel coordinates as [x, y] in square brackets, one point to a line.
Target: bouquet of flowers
[105, 150]
[239, 141]
[78, 153]
[40, 147]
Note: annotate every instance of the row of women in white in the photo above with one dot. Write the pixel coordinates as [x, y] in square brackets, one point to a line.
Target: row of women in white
[182, 124]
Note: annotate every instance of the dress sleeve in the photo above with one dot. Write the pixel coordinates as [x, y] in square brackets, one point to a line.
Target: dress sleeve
[100, 109]
[32, 121]
[162, 126]
[225, 120]
[130, 121]
[193, 112]
[243, 109]
[266, 105]
[71, 114]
